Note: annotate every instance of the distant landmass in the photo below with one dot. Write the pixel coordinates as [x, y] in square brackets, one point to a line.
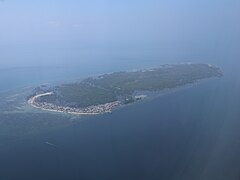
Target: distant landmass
[105, 92]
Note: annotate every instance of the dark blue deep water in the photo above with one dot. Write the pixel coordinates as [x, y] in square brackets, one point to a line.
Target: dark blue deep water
[193, 133]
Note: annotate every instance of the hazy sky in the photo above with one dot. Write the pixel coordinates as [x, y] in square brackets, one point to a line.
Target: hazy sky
[70, 31]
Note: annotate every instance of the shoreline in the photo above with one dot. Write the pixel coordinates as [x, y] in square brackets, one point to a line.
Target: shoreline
[74, 111]
[122, 96]
[31, 101]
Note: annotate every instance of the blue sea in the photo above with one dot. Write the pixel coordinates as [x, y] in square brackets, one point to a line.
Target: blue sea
[191, 133]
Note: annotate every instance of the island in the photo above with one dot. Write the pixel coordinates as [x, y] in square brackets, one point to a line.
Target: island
[103, 93]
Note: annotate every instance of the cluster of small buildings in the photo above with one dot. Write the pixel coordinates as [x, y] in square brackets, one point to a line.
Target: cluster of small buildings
[98, 109]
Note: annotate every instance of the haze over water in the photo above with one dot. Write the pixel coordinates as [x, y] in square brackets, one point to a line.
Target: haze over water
[192, 133]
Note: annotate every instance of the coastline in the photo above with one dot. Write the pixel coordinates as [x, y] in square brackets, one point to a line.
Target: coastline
[100, 109]
[31, 101]
[92, 90]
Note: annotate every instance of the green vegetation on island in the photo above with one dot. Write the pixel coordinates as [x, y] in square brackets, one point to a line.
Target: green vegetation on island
[121, 86]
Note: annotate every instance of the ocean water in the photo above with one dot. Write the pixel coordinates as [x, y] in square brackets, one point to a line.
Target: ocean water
[192, 133]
